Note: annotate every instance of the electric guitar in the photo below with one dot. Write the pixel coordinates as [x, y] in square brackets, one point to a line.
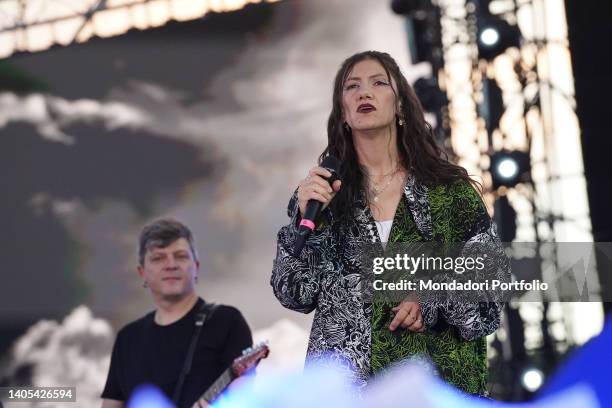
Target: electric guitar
[249, 359]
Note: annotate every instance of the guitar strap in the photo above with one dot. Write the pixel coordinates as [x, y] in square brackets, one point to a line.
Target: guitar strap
[202, 316]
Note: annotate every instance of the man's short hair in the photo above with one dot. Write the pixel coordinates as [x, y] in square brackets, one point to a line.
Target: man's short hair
[161, 233]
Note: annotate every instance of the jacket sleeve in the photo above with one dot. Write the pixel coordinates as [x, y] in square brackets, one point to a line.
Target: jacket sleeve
[296, 280]
[474, 318]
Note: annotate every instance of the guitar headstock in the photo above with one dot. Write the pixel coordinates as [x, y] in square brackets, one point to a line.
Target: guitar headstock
[250, 358]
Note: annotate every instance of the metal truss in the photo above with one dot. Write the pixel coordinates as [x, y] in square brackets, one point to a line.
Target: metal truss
[539, 118]
[36, 25]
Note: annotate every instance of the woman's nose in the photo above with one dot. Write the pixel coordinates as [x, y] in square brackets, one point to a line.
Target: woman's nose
[365, 93]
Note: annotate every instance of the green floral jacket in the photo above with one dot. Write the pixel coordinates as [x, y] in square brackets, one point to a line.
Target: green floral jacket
[349, 329]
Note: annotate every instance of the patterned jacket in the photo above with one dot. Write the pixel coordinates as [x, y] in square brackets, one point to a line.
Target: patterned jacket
[326, 278]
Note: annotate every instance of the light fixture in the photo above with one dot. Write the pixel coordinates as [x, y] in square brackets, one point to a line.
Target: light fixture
[489, 37]
[508, 168]
[532, 379]
[495, 35]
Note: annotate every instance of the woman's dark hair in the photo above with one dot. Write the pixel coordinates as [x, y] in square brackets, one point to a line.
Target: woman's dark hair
[418, 151]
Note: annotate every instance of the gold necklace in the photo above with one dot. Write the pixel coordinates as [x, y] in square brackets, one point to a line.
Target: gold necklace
[392, 171]
[376, 190]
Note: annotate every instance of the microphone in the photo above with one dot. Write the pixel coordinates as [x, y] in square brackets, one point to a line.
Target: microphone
[313, 207]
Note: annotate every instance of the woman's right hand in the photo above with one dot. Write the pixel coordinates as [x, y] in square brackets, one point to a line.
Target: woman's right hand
[316, 187]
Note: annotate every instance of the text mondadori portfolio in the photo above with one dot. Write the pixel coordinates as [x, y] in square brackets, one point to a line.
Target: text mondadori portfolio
[453, 285]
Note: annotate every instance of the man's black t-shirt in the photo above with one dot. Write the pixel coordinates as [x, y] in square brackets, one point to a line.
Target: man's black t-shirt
[147, 353]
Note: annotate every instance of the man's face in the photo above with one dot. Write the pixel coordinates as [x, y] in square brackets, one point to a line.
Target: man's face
[170, 272]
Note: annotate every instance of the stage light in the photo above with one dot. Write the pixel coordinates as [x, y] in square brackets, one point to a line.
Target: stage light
[532, 379]
[489, 36]
[495, 35]
[509, 168]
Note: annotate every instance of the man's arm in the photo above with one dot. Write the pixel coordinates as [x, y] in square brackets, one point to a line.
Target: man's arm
[111, 403]
[238, 339]
[112, 396]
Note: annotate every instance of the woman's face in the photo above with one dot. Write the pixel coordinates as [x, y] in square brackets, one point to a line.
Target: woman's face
[368, 100]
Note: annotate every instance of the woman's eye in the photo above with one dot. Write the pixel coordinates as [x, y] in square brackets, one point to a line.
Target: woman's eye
[381, 83]
[350, 86]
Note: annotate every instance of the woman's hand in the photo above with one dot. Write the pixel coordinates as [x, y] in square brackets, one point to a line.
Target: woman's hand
[316, 187]
[408, 315]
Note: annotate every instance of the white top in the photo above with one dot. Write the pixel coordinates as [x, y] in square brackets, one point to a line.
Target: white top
[384, 228]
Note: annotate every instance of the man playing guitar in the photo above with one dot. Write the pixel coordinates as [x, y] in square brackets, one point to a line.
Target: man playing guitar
[159, 347]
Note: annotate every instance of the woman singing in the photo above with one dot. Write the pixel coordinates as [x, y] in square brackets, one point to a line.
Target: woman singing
[395, 186]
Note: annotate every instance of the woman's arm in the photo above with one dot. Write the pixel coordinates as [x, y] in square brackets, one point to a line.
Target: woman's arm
[295, 280]
[476, 319]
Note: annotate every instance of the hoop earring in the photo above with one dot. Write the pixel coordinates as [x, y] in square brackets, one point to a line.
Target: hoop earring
[400, 121]
[347, 127]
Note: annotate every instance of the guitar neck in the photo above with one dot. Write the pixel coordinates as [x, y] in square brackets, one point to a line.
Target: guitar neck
[219, 385]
